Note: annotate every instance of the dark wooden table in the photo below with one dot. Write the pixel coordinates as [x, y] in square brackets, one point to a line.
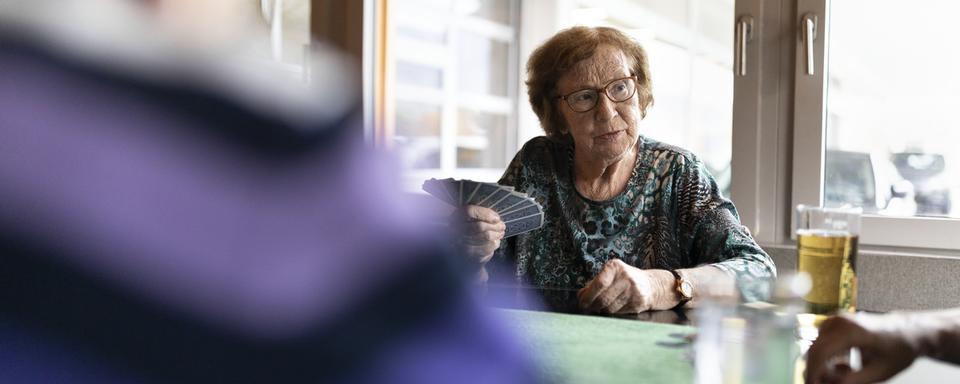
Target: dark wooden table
[564, 300]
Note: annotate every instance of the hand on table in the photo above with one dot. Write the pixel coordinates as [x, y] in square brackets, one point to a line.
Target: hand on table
[884, 351]
[482, 233]
[620, 289]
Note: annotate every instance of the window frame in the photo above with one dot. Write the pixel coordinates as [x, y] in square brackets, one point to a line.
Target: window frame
[762, 122]
[809, 146]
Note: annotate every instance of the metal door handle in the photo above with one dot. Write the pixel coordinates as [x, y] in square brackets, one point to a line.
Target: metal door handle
[809, 30]
[744, 34]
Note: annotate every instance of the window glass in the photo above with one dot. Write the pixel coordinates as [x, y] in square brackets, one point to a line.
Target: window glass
[419, 75]
[891, 108]
[420, 33]
[484, 63]
[418, 132]
[495, 10]
[454, 85]
[480, 139]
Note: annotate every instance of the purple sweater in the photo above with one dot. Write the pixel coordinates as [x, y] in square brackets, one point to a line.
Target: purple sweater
[163, 231]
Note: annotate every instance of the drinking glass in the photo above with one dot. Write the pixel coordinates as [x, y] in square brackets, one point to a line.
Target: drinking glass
[827, 252]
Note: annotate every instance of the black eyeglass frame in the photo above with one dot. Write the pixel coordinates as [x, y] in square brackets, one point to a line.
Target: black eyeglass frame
[603, 91]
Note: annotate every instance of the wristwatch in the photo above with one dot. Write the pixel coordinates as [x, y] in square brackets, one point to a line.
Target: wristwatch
[684, 288]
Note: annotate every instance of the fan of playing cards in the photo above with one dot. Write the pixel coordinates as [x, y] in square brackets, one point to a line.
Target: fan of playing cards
[517, 210]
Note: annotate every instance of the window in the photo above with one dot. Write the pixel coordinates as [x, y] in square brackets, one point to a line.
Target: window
[454, 66]
[886, 128]
[871, 125]
[895, 107]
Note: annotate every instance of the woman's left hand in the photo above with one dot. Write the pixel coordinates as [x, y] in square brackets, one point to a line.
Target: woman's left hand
[620, 288]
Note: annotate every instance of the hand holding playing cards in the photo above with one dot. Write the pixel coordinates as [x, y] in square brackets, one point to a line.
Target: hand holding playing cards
[487, 213]
[517, 212]
[482, 232]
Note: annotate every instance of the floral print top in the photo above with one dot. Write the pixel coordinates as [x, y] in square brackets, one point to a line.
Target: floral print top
[671, 215]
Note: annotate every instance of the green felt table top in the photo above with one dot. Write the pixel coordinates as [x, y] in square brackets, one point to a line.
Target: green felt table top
[592, 349]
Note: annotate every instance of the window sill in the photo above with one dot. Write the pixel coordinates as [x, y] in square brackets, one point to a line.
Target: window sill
[893, 278]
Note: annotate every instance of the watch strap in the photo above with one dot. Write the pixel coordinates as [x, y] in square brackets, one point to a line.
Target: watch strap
[676, 286]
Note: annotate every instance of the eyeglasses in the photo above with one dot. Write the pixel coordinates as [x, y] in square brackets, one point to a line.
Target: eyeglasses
[618, 90]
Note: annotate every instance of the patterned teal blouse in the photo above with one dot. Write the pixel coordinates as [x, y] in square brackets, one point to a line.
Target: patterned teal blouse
[671, 215]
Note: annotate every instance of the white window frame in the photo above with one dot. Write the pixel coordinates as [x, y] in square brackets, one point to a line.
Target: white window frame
[809, 146]
[762, 123]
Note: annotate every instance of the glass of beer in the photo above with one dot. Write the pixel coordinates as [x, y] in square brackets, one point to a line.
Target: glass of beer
[827, 251]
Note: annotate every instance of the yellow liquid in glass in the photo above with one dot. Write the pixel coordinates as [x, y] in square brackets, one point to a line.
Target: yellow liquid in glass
[830, 258]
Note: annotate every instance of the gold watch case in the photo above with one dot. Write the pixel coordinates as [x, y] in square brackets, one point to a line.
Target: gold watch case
[685, 288]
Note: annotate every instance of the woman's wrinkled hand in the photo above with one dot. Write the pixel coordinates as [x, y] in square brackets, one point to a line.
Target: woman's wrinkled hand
[884, 350]
[482, 233]
[622, 289]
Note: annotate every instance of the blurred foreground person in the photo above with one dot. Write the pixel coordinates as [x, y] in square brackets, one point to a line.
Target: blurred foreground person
[888, 344]
[170, 214]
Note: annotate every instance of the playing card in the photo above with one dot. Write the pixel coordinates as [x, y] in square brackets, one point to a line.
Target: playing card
[453, 189]
[524, 224]
[519, 212]
[508, 201]
[469, 189]
[483, 191]
[494, 198]
[525, 203]
[435, 188]
[529, 209]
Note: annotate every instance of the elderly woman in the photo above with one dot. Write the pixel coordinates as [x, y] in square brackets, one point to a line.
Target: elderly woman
[636, 224]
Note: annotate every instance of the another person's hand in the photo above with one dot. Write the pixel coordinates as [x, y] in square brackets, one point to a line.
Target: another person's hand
[885, 349]
[482, 233]
[621, 289]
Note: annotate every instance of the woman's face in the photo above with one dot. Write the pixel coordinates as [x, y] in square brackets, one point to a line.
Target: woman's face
[608, 130]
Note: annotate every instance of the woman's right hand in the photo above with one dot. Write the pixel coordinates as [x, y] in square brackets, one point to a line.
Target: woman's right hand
[482, 233]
